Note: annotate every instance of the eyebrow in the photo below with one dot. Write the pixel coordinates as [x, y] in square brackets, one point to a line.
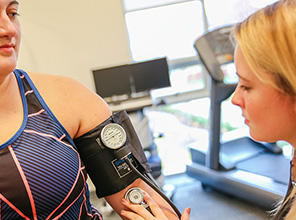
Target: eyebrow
[13, 2]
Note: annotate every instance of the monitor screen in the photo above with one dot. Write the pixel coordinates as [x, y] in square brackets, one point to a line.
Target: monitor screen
[113, 81]
[150, 75]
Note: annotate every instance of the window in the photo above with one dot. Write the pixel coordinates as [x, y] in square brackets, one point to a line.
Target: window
[165, 31]
[233, 11]
[169, 28]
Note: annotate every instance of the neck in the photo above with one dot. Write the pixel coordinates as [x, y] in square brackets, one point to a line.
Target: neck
[5, 79]
[11, 109]
[8, 89]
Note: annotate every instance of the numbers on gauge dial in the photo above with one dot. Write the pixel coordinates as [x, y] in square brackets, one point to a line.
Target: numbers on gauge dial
[113, 136]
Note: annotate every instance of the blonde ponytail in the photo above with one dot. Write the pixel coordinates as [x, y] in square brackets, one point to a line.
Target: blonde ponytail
[292, 212]
[289, 203]
[291, 197]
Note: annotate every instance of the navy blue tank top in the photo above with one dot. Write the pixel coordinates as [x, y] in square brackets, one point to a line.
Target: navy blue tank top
[41, 174]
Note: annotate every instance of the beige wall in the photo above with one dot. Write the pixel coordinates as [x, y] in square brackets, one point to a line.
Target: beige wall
[71, 37]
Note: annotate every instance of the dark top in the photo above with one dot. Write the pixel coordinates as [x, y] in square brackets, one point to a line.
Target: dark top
[41, 174]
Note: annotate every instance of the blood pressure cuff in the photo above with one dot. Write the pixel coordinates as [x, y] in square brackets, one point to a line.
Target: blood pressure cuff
[109, 174]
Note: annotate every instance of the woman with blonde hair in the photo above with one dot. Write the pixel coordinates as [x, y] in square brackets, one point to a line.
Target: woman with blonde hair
[265, 60]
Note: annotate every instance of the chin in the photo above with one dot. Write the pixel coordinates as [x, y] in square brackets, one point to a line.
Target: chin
[263, 138]
[8, 67]
[7, 71]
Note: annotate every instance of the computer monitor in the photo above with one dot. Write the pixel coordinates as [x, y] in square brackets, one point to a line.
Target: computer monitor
[113, 81]
[150, 75]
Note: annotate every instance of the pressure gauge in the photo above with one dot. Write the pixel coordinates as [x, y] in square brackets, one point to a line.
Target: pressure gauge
[113, 136]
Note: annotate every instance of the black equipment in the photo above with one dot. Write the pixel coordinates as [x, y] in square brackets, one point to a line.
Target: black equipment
[151, 74]
[113, 81]
[254, 171]
[114, 158]
[126, 81]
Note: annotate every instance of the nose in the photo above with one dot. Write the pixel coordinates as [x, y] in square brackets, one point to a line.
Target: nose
[237, 98]
[7, 27]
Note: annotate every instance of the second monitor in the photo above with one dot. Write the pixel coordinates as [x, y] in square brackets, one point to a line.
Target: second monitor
[152, 74]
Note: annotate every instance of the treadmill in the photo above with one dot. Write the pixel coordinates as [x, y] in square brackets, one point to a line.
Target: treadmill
[256, 172]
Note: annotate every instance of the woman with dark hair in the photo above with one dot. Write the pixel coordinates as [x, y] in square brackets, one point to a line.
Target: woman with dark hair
[42, 173]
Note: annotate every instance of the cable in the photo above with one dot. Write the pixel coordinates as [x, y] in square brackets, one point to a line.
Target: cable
[153, 185]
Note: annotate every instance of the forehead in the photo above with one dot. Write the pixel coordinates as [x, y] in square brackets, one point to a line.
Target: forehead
[242, 67]
[7, 3]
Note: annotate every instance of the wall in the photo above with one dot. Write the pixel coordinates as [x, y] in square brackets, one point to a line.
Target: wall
[71, 37]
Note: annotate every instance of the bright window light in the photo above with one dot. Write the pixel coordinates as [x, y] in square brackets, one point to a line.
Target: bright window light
[165, 31]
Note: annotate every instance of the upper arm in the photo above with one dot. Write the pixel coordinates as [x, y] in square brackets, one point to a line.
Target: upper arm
[115, 199]
[92, 109]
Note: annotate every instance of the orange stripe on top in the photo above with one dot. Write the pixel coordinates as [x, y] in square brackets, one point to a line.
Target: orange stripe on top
[61, 138]
[28, 92]
[50, 136]
[13, 207]
[24, 181]
[37, 113]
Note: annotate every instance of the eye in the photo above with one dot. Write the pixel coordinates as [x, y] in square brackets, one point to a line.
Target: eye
[13, 15]
[12, 10]
[245, 88]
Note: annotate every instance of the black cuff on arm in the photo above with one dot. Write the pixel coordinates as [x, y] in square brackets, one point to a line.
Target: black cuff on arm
[107, 173]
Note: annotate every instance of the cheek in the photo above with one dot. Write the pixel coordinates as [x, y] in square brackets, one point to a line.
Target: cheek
[18, 42]
[262, 127]
[19, 35]
[259, 118]
[256, 114]
[271, 120]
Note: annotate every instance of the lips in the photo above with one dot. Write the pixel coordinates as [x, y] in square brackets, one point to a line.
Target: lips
[7, 45]
[7, 48]
[246, 120]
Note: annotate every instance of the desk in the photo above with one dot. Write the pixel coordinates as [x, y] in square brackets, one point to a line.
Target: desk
[131, 104]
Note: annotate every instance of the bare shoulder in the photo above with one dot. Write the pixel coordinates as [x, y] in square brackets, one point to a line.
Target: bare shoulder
[77, 107]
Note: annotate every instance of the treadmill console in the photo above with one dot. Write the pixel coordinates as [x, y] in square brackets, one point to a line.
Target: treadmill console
[216, 49]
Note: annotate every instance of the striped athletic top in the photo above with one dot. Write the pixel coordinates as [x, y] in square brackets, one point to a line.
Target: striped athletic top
[41, 174]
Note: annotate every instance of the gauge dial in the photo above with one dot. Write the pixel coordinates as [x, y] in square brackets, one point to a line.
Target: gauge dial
[113, 136]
